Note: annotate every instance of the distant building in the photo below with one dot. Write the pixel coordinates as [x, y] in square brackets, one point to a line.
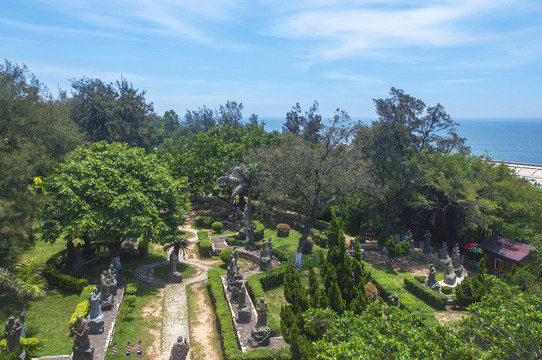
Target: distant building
[501, 254]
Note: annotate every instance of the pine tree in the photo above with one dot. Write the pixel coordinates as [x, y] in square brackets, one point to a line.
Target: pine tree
[294, 291]
[336, 240]
[336, 302]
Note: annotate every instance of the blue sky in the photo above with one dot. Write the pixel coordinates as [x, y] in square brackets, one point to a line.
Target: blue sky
[478, 58]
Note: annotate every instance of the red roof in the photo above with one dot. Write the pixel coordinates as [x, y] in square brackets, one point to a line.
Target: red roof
[506, 248]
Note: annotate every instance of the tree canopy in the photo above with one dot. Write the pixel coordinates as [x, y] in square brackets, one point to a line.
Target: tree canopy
[111, 192]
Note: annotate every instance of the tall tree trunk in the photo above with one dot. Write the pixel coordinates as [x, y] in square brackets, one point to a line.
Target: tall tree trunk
[249, 220]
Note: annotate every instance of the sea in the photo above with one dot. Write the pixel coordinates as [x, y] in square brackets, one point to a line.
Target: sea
[511, 140]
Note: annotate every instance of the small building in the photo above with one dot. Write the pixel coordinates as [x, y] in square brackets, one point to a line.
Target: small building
[501, 254]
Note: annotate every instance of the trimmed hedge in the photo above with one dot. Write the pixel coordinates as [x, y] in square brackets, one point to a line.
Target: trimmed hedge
[63, 281]
[422, 292]
[83, 308]
[387, 287]
[256, 286]
[205, 222]
[217, 227]
[56, 259]
[283, 230]
[30, 345]
[224, 321]
[204, 244]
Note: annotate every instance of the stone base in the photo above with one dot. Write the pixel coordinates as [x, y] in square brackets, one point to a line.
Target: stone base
[265, 264]
[435, 287]
[175, 277]
[461, 272]
[107, 305]
[250, 246]
[449, 279]
[260, 337]
[245, 315]
[113, 289]
[96, 326]
[83, 353]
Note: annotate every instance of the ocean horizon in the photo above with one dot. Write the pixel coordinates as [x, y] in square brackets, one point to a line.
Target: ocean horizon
[501, 139]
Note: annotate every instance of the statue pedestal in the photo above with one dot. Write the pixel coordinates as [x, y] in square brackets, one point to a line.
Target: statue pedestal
[265, 263]
[260, 337]
[461, 272]
[96, 325]
[175, 277]
[107, 304]
[450, 279]
[244, 315]
[83, 353]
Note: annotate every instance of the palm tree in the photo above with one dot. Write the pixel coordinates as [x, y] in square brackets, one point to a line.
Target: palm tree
[178, 245]
[243, 179]
[27, 282]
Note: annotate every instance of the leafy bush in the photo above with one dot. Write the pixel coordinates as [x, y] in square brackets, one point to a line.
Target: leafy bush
[131, 288]
[422, 279]
[422, 292]
[371, 291]
[225, 255]
[204, 222]
[283, 230]
[258, 232]
[217, 227]
[127, 306]
[204, 244]
[307, 249]
[56, 259]
[447, 290]
[63, 281]
[28, 344]
[83, 308]
[319, 238]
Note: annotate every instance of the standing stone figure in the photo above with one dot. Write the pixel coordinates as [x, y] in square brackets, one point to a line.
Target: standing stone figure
[250, 244]
[432, 279]
[111, 278]
[261, 333]
[179, 350]
[270, 247]
[449, 277]
[106, 299]
[95, 318]
[81, 340]
[410, 239]
[12, 331]
[237, 285]
[456, 260]
[174, 276]
[265, 259]
[232, 268]
[244, 313]
[78, 262]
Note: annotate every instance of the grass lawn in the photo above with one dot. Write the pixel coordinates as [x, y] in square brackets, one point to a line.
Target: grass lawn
[42, 251]
[288, 246]
[162, 271]
[46, 319]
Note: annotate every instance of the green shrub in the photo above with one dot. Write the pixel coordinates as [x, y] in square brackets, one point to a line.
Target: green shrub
[447, 290]
[204, 244]
[422, 279]
[85, 294]
[82, 309]
[131, 288]
[422, 292]
[204, 222]
[127, 306]
[283, 230]
[63, 281]
[56, 259]
[224, 320]
[258, 232]
[217, 227]
[30, 345]
[225, 255]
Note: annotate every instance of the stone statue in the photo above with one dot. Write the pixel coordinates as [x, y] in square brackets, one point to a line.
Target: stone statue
[456, 260]
[174, 276]
[244, 313]
[179, 350]
[95, 318]
[235, 255]
[427, 238]
[270, 247]
[232, 268]
[410, 239]
[111, 279]
[250, 244]
[12, 331]
[106, 299]
[265, 259]
[432, 282]
[449, 277]
[236, 288]
[261, 333]
[80, 331]
[81, 340]
[443, 251]
[394, 300]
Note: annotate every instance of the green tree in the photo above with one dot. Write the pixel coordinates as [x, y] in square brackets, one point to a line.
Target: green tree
[36, 132]
[111, 112]
[109, 193]
[397, 249]
[304, 177]
[506, 323]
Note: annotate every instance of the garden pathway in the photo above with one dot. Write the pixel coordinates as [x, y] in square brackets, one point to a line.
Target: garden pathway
[175, 315]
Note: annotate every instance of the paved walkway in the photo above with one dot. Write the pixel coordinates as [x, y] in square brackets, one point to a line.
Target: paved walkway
[175, 314]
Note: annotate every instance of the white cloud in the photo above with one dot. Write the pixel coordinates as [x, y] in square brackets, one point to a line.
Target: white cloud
[336, 75]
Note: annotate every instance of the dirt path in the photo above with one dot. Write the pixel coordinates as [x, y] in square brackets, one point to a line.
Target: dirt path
[204, 337]
[154, 309]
